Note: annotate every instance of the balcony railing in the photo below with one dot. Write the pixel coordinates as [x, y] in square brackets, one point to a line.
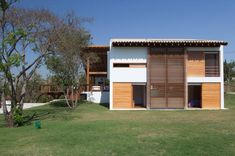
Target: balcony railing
[97, 87]
[212, 71]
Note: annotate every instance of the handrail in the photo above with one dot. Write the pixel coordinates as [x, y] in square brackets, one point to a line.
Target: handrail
[212, 70]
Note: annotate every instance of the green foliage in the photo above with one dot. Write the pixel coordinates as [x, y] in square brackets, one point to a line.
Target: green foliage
[33, 89]
[63, 74]
[229, 72]
[59, 103]
[14, 60]
[18, 118]
[4, 5]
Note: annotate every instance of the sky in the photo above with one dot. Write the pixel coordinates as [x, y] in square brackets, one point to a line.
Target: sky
[194, 19]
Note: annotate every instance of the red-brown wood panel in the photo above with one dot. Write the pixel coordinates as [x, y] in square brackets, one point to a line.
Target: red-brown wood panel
[167, 78]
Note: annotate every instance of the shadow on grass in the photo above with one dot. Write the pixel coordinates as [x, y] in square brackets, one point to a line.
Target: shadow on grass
[106, 105]
[55, 110]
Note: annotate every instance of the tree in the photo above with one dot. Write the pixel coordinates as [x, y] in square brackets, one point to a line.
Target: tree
[23, 32]
[67, 64]
[33, 88]
[229, 71]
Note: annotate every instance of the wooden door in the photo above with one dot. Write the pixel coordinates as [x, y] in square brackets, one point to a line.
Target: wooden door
[122, 95]
[211, 95]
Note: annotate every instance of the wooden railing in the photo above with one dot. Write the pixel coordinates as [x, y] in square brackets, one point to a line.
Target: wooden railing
[229, 88]
[47, 88]
[97, 88]
[212, 71]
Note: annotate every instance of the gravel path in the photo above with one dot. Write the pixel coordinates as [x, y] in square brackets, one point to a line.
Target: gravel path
[27, 105]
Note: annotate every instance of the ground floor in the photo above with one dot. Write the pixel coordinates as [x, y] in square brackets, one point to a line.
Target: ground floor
[127, 95]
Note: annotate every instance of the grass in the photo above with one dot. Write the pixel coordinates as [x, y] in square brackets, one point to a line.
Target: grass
[92, 129]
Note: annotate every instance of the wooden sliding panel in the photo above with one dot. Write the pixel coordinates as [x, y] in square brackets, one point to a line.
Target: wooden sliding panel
[196, 64]
[175, 78]
[211, 95]
[157, 69]
[167, 78]
[122, 95]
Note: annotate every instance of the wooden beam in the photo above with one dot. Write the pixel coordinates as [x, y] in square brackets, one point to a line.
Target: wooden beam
[97, 73]
[185, 79]
[88, 74]
[148, 105]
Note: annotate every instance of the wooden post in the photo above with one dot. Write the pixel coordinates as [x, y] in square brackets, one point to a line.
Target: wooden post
[88, 75]
[148, 80]
[185, 79]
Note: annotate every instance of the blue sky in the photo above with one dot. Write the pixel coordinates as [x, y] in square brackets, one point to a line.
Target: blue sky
[198, 19]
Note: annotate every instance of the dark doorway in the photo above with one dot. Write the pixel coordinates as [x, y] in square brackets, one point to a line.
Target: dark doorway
[139, 93]
[195, 96]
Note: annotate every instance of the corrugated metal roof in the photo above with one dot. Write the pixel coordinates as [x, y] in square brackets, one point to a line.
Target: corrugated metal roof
[166, 42]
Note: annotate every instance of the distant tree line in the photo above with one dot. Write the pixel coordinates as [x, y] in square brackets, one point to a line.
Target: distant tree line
[229, 71]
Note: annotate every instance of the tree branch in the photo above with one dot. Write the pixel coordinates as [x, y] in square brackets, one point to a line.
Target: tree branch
[31, 65]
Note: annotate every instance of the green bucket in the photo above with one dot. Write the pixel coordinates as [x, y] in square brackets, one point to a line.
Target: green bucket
[37, 124]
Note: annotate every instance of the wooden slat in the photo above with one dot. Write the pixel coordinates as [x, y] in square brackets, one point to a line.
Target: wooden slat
[137, 65]
[98, 73]
[122, 95]
[196, 64]
[158, 102]
[211, 95]
[167, 78]
[176, 102]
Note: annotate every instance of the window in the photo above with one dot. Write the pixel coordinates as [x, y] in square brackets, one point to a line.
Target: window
[121, 65]
[212, 64]
[129, 65]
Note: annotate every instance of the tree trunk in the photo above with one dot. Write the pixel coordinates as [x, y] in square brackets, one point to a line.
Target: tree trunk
[10, 120]
[73, 105]
[7, 114]
[22, 96]
[76, 97]
[66, 97]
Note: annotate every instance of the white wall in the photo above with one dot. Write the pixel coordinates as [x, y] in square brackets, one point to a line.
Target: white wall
[222, 75]
[128, 75]
[203, 79]
[97, 96]
[126, 55]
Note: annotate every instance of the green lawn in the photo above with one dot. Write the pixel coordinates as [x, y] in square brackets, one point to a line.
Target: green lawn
[92, 129]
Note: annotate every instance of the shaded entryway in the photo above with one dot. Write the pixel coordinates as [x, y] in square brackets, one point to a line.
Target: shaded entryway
[194, 96]
[139, 94]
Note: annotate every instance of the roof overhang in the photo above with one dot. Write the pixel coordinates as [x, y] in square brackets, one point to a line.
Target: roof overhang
[166, 43]
[94, 48]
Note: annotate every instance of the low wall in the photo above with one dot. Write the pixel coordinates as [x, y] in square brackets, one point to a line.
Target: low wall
[97, 96]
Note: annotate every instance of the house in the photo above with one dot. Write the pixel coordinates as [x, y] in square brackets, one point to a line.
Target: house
[163, 73]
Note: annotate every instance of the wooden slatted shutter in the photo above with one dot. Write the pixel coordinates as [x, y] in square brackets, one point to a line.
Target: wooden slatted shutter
[167, 78]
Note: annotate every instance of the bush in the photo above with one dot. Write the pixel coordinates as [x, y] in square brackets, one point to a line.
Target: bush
[59, 103]
[18, 118]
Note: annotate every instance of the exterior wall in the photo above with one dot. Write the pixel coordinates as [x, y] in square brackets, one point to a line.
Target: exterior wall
[195, 64]
[130, 75]
[212, 87]
[211, 95]
[98, 96]
[222, 77]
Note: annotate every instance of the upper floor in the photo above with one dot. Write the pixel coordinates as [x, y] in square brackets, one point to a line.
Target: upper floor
[130, 57]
